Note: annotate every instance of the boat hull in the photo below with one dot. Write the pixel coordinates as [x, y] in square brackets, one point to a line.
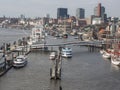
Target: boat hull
[18, 65]
[20, 61]
[115, 61]
[66, 52]
[106, 55]
[67, 55]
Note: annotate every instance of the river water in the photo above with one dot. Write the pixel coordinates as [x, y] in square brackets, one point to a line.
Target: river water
[84, 71]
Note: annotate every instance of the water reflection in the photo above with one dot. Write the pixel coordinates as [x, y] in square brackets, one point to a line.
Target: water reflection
[55, 85]
[115, 68]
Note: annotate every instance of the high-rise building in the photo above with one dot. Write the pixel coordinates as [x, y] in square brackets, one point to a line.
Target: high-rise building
[95, 11]
[62, 13]
[99, 10]
[80, 13]
[102, 11]
[47, 16]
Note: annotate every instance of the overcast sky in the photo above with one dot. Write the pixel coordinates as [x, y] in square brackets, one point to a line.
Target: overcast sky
[39, 8]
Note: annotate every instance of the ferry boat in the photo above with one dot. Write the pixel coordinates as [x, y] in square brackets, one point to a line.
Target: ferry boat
[66, 52]
[37, 38]
[20, 61]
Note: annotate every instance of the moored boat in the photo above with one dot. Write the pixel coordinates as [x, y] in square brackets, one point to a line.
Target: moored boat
[115, 60]
[115, 54]
[106, 55]
[66, 52]
[20, 61]
[37, 39]
[37, 36]
[102, 51]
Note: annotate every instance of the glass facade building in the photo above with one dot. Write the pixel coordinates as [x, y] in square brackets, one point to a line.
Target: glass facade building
[80, 13]
[62, 13]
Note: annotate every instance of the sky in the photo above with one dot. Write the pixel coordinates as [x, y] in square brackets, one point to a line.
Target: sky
[39, 8]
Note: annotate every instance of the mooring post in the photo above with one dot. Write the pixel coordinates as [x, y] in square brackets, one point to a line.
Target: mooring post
[51, 48]
[4, 55]
[60, 88]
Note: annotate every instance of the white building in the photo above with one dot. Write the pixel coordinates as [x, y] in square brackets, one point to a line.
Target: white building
[96, 20]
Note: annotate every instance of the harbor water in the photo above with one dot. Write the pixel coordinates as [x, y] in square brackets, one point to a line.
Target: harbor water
[84, 71]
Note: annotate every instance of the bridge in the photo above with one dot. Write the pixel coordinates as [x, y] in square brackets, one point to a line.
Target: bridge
[81, 43]
[91, 45]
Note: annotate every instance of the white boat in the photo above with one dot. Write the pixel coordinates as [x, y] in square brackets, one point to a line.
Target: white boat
[19, 48]
[106, 55]
[53, 55]
[102, 51]
[66, 52]
[115, 60]
[37, 38]
[20, 61]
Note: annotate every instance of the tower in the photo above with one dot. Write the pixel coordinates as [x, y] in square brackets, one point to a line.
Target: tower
[62, 13]
[80, 13]
[99, 10]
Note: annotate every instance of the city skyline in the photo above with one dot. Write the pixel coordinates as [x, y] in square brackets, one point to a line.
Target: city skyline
[38, 8]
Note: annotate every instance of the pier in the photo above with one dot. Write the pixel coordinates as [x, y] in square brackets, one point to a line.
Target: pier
[21, 47]
[81, 67]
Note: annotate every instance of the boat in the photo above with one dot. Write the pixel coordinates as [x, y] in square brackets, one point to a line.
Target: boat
[66, 52]
[102, 51]
[53, 55]
[106, 55]
[37, 38]
[20, 61]
[115, 54]
[115, 60]
[37, 35]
